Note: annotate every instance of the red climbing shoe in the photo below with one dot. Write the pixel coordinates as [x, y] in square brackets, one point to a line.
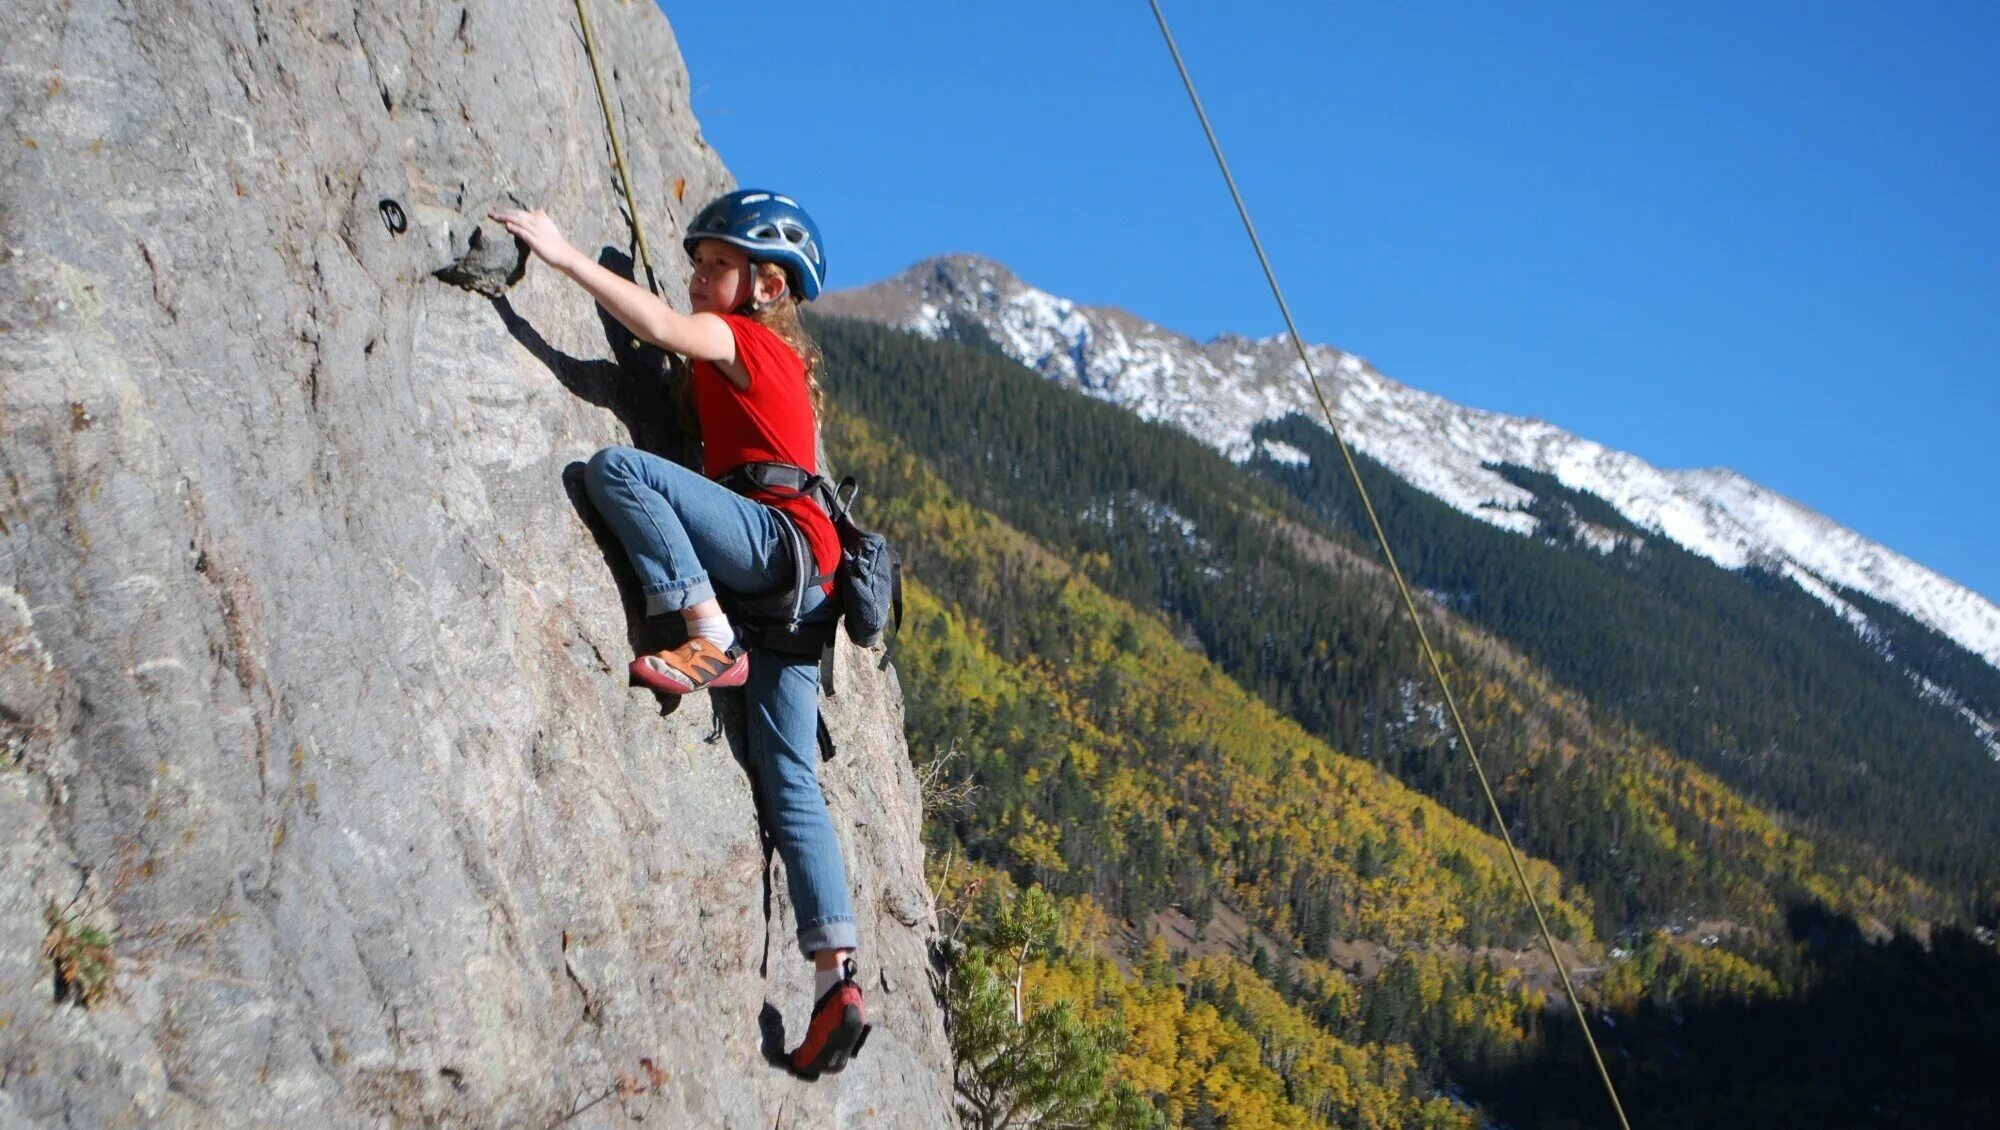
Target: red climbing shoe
[693, 666]
[837, 1030]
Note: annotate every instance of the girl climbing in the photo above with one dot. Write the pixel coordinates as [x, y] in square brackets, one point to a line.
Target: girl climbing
[756, 256]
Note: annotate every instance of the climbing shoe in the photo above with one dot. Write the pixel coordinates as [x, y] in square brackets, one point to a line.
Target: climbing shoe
[837, 1030]
[693, 666]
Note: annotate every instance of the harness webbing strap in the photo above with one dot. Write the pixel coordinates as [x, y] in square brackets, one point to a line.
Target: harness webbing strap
[790, 481]
[773, 621]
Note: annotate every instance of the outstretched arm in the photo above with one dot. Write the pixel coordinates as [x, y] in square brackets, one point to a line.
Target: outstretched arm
[701, 337]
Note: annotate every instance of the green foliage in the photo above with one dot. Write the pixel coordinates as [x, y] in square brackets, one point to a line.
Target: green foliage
[1047, 1071]
[1670, 973]
[1166, 781]
[1339, 1083]
[1022, 923]
[1110, 761]
[1120, 633]
[1044, 1066]
[1294, 616]
[81, 955]
[1741, 673]
[1456, 1015]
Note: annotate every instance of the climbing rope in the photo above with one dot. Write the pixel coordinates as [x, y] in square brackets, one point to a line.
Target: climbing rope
[617, 151]
[1402, 586]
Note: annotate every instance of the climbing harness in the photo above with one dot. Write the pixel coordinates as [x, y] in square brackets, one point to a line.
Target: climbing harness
[617, 151]
[869, 576]
[868, 580]
[1402, 586]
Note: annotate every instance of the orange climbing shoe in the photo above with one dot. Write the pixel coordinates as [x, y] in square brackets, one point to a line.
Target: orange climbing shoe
[837, 1030]
[693, 666]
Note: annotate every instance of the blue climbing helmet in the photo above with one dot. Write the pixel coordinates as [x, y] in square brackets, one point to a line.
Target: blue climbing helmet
[771, 228]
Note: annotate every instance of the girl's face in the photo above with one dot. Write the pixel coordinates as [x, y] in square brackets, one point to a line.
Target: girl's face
[723, 279]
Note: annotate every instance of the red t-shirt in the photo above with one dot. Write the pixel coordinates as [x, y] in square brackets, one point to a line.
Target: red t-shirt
[769, 422]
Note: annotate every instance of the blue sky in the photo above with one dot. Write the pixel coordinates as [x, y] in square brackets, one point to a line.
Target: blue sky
[1757, 235]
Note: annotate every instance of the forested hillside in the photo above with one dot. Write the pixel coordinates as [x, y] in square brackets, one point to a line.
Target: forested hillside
[1111, 760]
[1124, 776]
[1178, 696]
[1744, 674]
[1297, 614]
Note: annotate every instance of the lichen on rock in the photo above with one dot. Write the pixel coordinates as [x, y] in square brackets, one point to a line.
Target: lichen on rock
[311, 654]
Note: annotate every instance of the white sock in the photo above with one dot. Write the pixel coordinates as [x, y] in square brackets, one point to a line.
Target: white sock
[715, 629]
[824, 979]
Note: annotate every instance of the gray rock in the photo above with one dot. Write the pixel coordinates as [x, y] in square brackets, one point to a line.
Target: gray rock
[493, 261]
[311, 687]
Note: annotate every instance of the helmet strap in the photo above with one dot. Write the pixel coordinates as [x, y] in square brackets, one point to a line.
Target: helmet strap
[751, 307]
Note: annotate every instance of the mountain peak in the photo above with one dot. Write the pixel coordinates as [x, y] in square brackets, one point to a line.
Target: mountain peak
[962, 266]
[1223, 390]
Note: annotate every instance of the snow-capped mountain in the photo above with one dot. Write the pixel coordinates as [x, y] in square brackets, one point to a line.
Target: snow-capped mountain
[1221, 390]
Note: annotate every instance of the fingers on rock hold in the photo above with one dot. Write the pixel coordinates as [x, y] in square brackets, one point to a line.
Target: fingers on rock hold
[494, 259]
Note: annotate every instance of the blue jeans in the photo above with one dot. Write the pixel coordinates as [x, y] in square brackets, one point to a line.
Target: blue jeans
[680, 529]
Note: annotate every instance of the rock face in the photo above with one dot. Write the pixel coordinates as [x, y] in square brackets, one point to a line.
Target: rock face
[323, 796]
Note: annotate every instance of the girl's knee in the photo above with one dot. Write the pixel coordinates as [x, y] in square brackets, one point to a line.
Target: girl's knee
[614, 472]
[608, 464]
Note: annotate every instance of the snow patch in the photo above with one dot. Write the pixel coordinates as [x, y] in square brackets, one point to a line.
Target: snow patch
[1984, 729]
[1221, 391]
[1161, 516]
[1603, 540]
[1279, 451]
[1824, 593]
[929, 321]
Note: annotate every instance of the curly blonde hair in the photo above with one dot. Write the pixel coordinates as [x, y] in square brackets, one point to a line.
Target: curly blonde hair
[782, 318]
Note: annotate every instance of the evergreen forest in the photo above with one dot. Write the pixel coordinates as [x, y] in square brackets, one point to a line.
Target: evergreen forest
[1208, 854]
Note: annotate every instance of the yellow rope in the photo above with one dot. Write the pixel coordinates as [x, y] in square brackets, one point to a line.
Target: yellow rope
[617, 150]
[1402, 587]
